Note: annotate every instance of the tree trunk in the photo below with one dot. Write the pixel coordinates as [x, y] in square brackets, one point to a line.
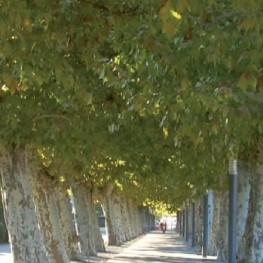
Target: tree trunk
[212, 248]
[113, 238]
[121, 215]
[111, 216]
[144, 218]
[94, 224]
[252, 241]
[220, 225]
[3, 230]
[243, 206]
[71, 239]
[198, 223]
[135, 218]
[88, 246]
[47, 209]
[24, 234]
[258, 223]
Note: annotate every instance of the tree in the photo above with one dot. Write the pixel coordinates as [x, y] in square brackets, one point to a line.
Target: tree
[94, 80]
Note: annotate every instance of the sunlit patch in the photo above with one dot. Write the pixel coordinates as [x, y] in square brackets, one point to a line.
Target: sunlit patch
[62, 179]
[69, 192]
[176, 15]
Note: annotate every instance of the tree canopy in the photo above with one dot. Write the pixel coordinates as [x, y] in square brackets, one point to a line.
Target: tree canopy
[154, 94]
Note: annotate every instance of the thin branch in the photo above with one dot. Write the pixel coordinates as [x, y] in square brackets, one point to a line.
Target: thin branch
[51, 116]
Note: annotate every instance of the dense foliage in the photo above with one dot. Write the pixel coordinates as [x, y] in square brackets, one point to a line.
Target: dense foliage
[153, 95]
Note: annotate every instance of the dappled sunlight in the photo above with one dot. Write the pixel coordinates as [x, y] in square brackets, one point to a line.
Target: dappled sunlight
[176, 15]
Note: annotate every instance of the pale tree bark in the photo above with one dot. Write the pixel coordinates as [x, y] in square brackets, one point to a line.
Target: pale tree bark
[47, 210]
[252, 241]
[178, 227]
[135, 218]
[144, 218]
[118, 216]
[120, 202]
[24, 234]
[122, 216]
[190, 220]
[220, 224]
[113, 237]
[88, 247]
[111, 215]
[71, 239]
[3, 230]
[212, 247]
[216, 218]
[116, 205]
[244, 172]
[257, 255]
[125, 218]
[131, 218]
[198, 223]
[94, 225]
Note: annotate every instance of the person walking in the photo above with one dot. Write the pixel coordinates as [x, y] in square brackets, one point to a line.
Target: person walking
[163, 227]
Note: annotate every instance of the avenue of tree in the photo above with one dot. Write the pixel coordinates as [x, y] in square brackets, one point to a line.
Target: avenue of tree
[132, 104]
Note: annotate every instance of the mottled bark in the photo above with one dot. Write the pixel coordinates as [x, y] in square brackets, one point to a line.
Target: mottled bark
[252, 241]
[24, 233]
[179, 222]
[83, 221]
[198, 223]
[3, 230]
[243, 206]
[212, 247]
[94, 225]
[122, 219]
[144, 218]
[190, 222]
[71, 239]
[220, 224]
[113, 237]
[48, 217]
[107, 202]
[125, 218]
[258, 225]
[135, 218]
[131, 220]
[117, 206]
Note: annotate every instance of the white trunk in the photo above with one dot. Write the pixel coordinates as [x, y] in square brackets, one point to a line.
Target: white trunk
[216, 219]
[117, 203]
[71, 239]
[125, 218]
[190, 222]
[113, 237]
[144, 218]
[251, 248]
[47, 210]
[130, 218]
[24, 234]
[258, 223]
[212, 248]
[83, 222]
[111, 216]
[243, 206]
[198, 223]
[3, 230]
[135, 218]
[94, 225]
[220, 224]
